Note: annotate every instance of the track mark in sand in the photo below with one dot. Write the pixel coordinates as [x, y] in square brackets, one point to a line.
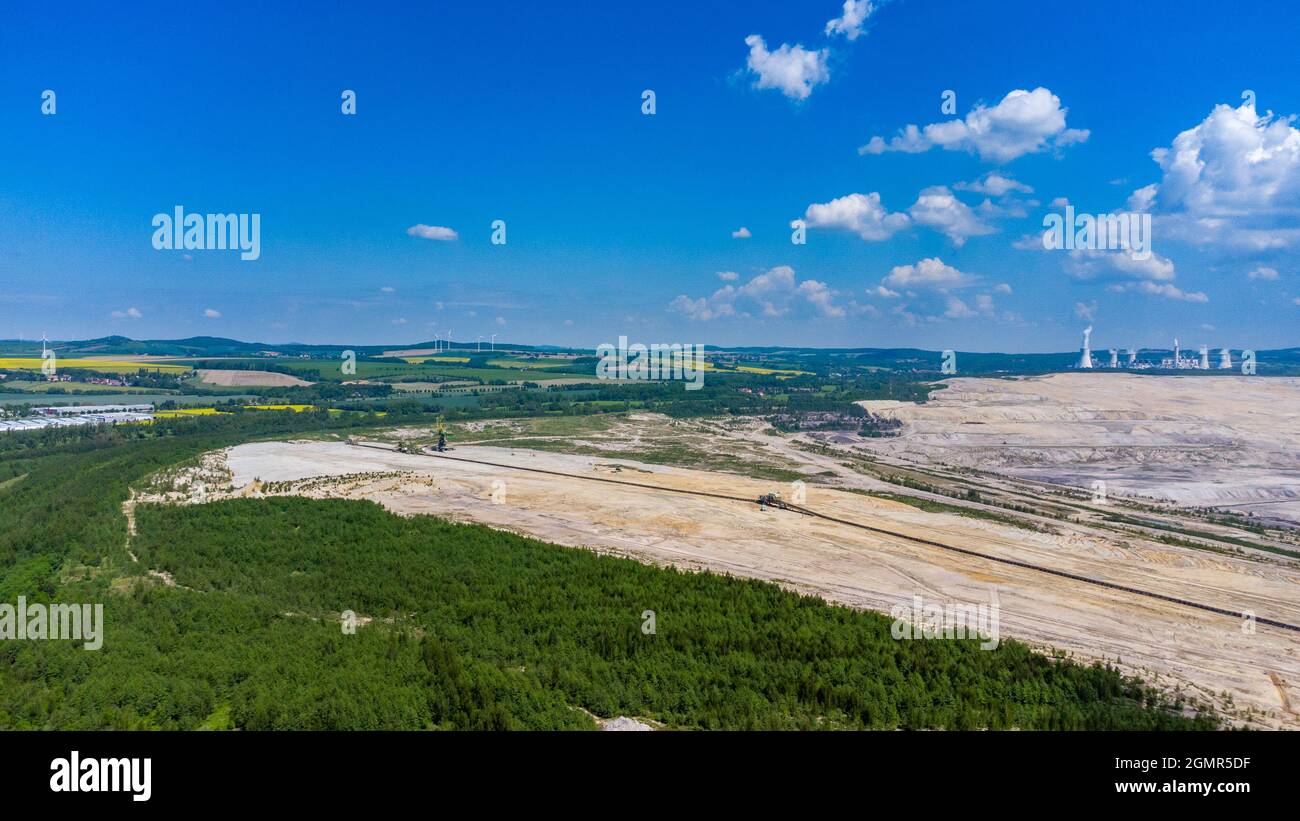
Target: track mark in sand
[128, 510]
[1280, 684]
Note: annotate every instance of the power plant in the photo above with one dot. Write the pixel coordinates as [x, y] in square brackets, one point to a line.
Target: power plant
[1177, 362]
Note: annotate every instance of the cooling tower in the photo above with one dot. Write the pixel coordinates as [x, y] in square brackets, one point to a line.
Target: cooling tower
[1085, 356]
[1205, 357]
[1225, 359]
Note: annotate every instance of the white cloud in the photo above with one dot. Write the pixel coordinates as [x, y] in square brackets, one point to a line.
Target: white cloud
[1059, 202]
[1024, 122]
[129, 313]
[1002, 288]
[929, 287]
[956, 309]
[1234, 179]
[1097, 264]
[937, 208]
[741, 233]
[501, 321]
[821, 297]
[1263, 272]
[773, 293]
[568, 323]
[1164, 289]
[438, 232]
[388, 289]
[794, 70]
[399, 321]
[930, 273]
[728, 276]
[701, 309]
[1088, 312]
[863, 214]
[851, 21]
[212, 313]
[995, 185]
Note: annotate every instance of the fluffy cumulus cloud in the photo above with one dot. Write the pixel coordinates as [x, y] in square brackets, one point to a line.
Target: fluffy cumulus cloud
[1263, 272]
[212, 313]
[438, 232]
[927, 292]
[129, 313]
[851, 21]
[1233, 179]
[932, 273]
[741, 233]
[1024, 122]
[793, 70]
[728, 276]
[937, 208]
[863, 214]
[776, 292]
[995, 185]
[1125, 273]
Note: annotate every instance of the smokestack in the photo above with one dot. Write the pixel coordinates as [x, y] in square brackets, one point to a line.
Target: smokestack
[1085, 356]
[1225, 359]
[1205, 357]
[1176, 353]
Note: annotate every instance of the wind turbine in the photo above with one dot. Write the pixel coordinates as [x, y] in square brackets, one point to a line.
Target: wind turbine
[480, 342]
[494, 342]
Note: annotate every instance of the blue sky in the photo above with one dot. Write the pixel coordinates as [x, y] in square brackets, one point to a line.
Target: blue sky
[620, 223]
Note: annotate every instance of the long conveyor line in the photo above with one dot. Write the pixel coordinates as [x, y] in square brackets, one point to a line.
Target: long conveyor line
[884, 531]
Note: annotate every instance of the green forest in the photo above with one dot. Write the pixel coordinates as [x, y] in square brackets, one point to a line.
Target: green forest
[462, 627]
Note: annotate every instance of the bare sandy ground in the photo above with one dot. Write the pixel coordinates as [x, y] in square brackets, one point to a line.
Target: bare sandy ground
[1230, 441]
[1204, 655]
[248, 378]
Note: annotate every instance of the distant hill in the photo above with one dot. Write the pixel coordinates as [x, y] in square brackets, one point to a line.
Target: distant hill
[1274, 362]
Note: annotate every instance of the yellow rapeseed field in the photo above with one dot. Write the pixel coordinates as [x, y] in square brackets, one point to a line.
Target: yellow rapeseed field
[101, 365]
